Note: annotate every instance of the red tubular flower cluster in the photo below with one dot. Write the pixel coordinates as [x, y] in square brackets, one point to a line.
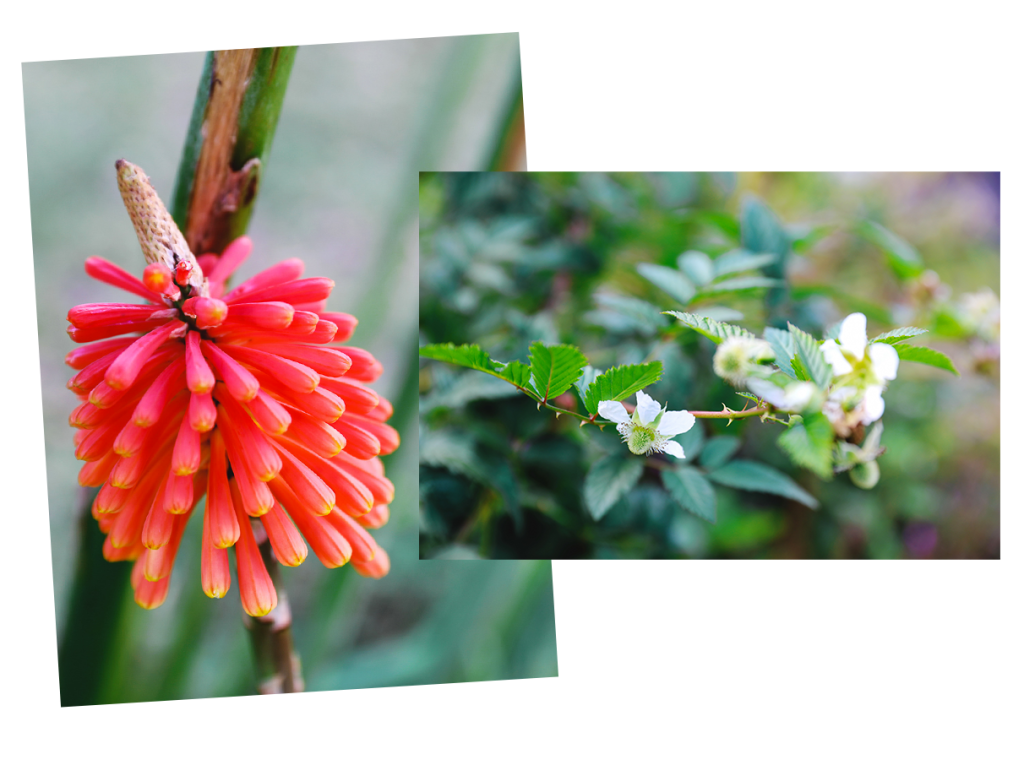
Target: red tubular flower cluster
[238, 395]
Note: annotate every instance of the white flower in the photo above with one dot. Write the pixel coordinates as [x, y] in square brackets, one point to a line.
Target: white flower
[737, 358]
[848, 355]
[651, 428]
[795, 397]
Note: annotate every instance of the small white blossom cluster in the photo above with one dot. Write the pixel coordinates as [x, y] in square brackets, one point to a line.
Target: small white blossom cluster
[650, 429]
[741, 361]
[861, 373]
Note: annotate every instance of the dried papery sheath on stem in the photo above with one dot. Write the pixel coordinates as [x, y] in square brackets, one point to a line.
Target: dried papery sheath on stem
[159, 237]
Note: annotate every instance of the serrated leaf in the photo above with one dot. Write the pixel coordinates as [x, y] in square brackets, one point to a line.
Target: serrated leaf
[782, 343]
[899, 335]
[608, 480]
[471, 356]
[809, 444]
[928, 356]
[756, 476]
[555, 368]
[811, 358]
[621, 382]
[903, 259]
[718, 451]
[738, 260]
[713, 330]
[589, 375]
[517, 373]
[741, 283]
[669, 281]
[697, 266]
[692, 490]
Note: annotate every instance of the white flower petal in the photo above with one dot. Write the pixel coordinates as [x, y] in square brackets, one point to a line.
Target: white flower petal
[613, 410]
[647, 407]
[674, 423]
[835, 357]
[873, 406]
[799, 395]
[884, 359]
[671, 447]
[853, 334]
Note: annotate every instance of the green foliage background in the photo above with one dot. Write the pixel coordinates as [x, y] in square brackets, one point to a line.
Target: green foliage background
[593, 259]
[339, 191]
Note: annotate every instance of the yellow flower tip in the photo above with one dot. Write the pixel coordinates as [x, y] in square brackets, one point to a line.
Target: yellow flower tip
[181, 471]
[216, 594]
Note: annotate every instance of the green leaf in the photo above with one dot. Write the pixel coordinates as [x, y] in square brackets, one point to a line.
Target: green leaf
[811, 358]
[589, 375]
[756, 476]
[692, 442]
[738, 260]
[785, 348]
[718, 451]
[668, 280]
[809, 444]
[692, 490]
[741, 283]
[927, 356]
[626, 314]
[761, 231]
[555, 368]
[517, 373]
[713, 330]
[903, 259]
[697, 266]
[899, 335]
[464, 355]
[621, 382]
[608, 480]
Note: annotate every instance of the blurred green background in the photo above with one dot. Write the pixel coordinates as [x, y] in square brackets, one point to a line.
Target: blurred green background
[359, 121]
[507, 259]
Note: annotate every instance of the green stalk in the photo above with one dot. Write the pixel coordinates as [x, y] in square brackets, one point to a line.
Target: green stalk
[234, 117]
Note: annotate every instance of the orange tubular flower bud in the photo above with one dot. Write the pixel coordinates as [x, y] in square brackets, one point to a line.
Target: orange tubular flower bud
[365, 368]
[159, 278]
[159, 525]
[216, 566]
[284, 538]
[329, 546]
[82, 357]
[357, 397]
[314, 434]
[224, 529]
[294, 292]
[152, 403]
[386, 435]
[269, 414]
[315, 495]
[294, 375]
[271, 315]
[186, 457]
[210, 312]
[179, 495]
[285, 271]
[255, 495]
[105, 271]
[375, 518]
[202, 412]
[159, 563]
[376, 568]
[257, 591]
[359, 443]
[346, 324]
[260, 454]
[324, 361]
[123, 372]
[240, 382]
[199, 376]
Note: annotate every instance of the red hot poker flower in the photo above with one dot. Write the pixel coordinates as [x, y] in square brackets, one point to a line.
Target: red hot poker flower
[241, 395]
